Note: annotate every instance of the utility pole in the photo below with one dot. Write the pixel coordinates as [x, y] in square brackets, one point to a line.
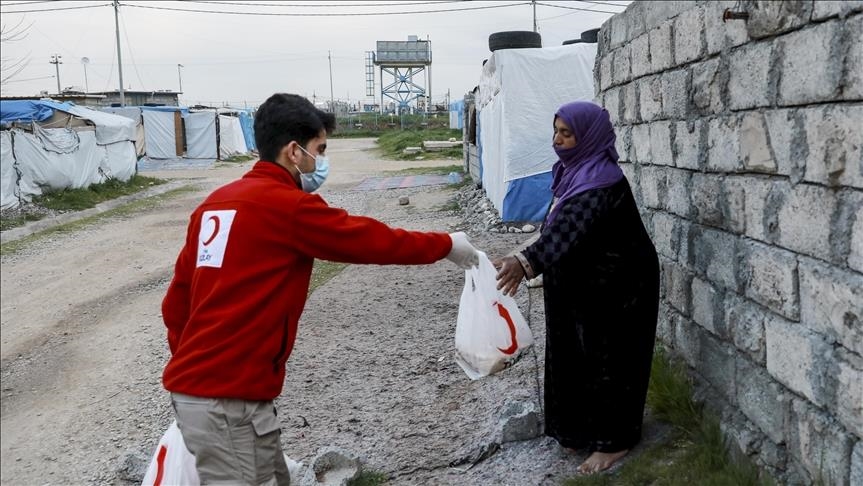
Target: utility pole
[332, 101]
[55, 60]
[119, 57]
[533, 2]
[84, 62]
[180, 75]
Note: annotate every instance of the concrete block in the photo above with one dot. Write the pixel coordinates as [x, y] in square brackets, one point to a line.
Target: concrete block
[733, 205]
[621, 64]
[611, 102]
[831, 8]
[689, 143]
[665, 325]
[811, 65]
[708, 81]
[749, 76]
[820, 444]
[641, 143]
[666, 234]
[767, 17]
[659, 40]
[744, 322]
[675, 93]
[678, 183]
[793, 357]
[656, 13]
[688, 341]
[705, 195]
[835, 145]
[845, 394]
[640, 55]
[755, 149]
[650, 98]
[617, 26]
[605, 67]
[708, 306]
[843, 248]
[723, 145]
[629, 92]
[855, 254]
[857, 461]
[712, 256]
[769, 277]
[689, 36]
[623, 141]
[721, 35]
[716, 364]
[660, 143]
[853, 38]
[760, 210]
[804, 220]
[785, 129]
[831, 302]
[677, 282]
[653, 186]
[762, 400]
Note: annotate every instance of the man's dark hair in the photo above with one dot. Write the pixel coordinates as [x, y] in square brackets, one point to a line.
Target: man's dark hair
[286, 118]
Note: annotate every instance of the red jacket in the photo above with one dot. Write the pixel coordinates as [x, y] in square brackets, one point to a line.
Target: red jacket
[241, 280]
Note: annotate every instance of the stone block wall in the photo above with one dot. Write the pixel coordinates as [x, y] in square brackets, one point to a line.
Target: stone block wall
[744, 144]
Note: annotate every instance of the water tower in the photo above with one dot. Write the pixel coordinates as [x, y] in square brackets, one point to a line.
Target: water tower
[400, 63]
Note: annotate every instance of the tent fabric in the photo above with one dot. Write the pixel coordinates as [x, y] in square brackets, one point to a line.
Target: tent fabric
[8, 174]
[456, 114]
[133, 113]
[109, 128]
[24, 111]
[201, 140]
[515, 140]
[248, 126]
[44, 169]
[159, 134]
[231, 141]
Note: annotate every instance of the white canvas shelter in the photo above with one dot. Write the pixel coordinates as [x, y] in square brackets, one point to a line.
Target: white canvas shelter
[231, 140]
[519, 92]
[201, 140]
[133, 113]
[160, 136]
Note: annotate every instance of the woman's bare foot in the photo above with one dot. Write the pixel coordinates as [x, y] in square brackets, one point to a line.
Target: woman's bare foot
[600, 461]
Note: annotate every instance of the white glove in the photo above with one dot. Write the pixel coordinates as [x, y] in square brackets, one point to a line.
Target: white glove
[463, 253]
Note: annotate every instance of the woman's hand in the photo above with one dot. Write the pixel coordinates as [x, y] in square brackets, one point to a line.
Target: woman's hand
[509, 274]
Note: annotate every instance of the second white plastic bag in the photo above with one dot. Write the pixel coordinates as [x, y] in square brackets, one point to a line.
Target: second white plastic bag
[490, 333]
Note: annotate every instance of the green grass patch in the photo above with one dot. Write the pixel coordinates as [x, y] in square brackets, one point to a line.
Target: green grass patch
[696, 453]
[9, 222]
[131, 208]
[323, 271]
[441, 170]
[392, 143]
[239, 158]
[369, 478]
[78, 199]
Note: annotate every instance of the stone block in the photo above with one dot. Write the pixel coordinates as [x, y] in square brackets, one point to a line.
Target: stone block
[785, 129]
[519, 421]
[641, 143]
[660, 143]
[762, 400]
[712, 256]
[857, 462]
[759, 209]
[653, 187]
[755, 149]
[716, 364]
[820, 444]
[749, 76]
[622, 142]
[835, 145]
[605, 79]
[650, 98]
[708, 81]
[666, 234]
[617, 26]
[831, 302]
[629, 92]
[767, 17]
[689, 142]
[831, 8]
[705, 195]
[853, 83]
[794, 356]
[855, 254]
[708, 306]
[769, 277]
[677, 282]
[611, 102]
[723, 145]
[804, 220]
[621, 64]
[843, 246]
[687, 341]
[721, 35]
[689, 36]
[659, 40]
[744, 322]
[655, 13]
[675, 93]
[845, 393]
[733, 205]
[640, 55]
[677, 186]
[665, 325]
[811, 65]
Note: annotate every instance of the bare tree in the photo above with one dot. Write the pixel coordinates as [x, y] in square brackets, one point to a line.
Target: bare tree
[11, 67]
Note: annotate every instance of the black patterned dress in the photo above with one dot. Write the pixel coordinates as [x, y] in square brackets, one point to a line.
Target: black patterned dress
[601, 284]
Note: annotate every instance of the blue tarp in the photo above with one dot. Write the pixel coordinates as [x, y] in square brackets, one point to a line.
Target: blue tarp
[29, 110]
[527, 199]
[248, 129]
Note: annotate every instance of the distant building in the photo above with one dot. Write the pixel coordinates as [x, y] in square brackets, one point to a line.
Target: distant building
[160, 97]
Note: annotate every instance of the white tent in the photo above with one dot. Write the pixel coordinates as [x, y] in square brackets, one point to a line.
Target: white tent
[519, 92]
[201, 135]
[160, 135]
[133, 113]
[231, 140]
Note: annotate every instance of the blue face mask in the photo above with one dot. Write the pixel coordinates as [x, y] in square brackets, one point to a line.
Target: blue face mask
[313, 180]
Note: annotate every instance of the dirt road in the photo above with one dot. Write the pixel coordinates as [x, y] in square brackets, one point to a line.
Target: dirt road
[83, 347]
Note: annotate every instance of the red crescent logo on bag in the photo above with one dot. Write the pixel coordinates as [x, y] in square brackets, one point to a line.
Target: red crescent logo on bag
[214, 219]
[160, 461]
[505, 314]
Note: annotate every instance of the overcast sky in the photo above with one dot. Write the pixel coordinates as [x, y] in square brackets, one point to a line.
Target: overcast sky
[242, 59]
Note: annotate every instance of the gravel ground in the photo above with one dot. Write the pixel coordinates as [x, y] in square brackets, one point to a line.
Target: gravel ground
[372, 372]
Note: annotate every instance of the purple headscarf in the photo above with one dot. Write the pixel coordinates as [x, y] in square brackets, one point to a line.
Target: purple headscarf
[592, 163]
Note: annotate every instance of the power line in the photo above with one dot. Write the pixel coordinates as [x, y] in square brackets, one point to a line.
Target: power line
[330, 14]
[57, 9]
[350, 4]
[576, 8]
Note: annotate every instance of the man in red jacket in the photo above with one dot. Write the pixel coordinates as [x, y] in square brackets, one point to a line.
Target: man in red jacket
[240, 285]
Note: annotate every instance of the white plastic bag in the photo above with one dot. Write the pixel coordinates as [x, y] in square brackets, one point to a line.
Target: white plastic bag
[490, 333]
[172, 463]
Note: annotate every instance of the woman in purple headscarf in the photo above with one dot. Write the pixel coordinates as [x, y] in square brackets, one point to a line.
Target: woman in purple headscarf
[601, 287]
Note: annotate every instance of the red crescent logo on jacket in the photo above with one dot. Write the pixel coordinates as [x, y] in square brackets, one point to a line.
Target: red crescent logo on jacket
[505, 314]
[214, 219]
